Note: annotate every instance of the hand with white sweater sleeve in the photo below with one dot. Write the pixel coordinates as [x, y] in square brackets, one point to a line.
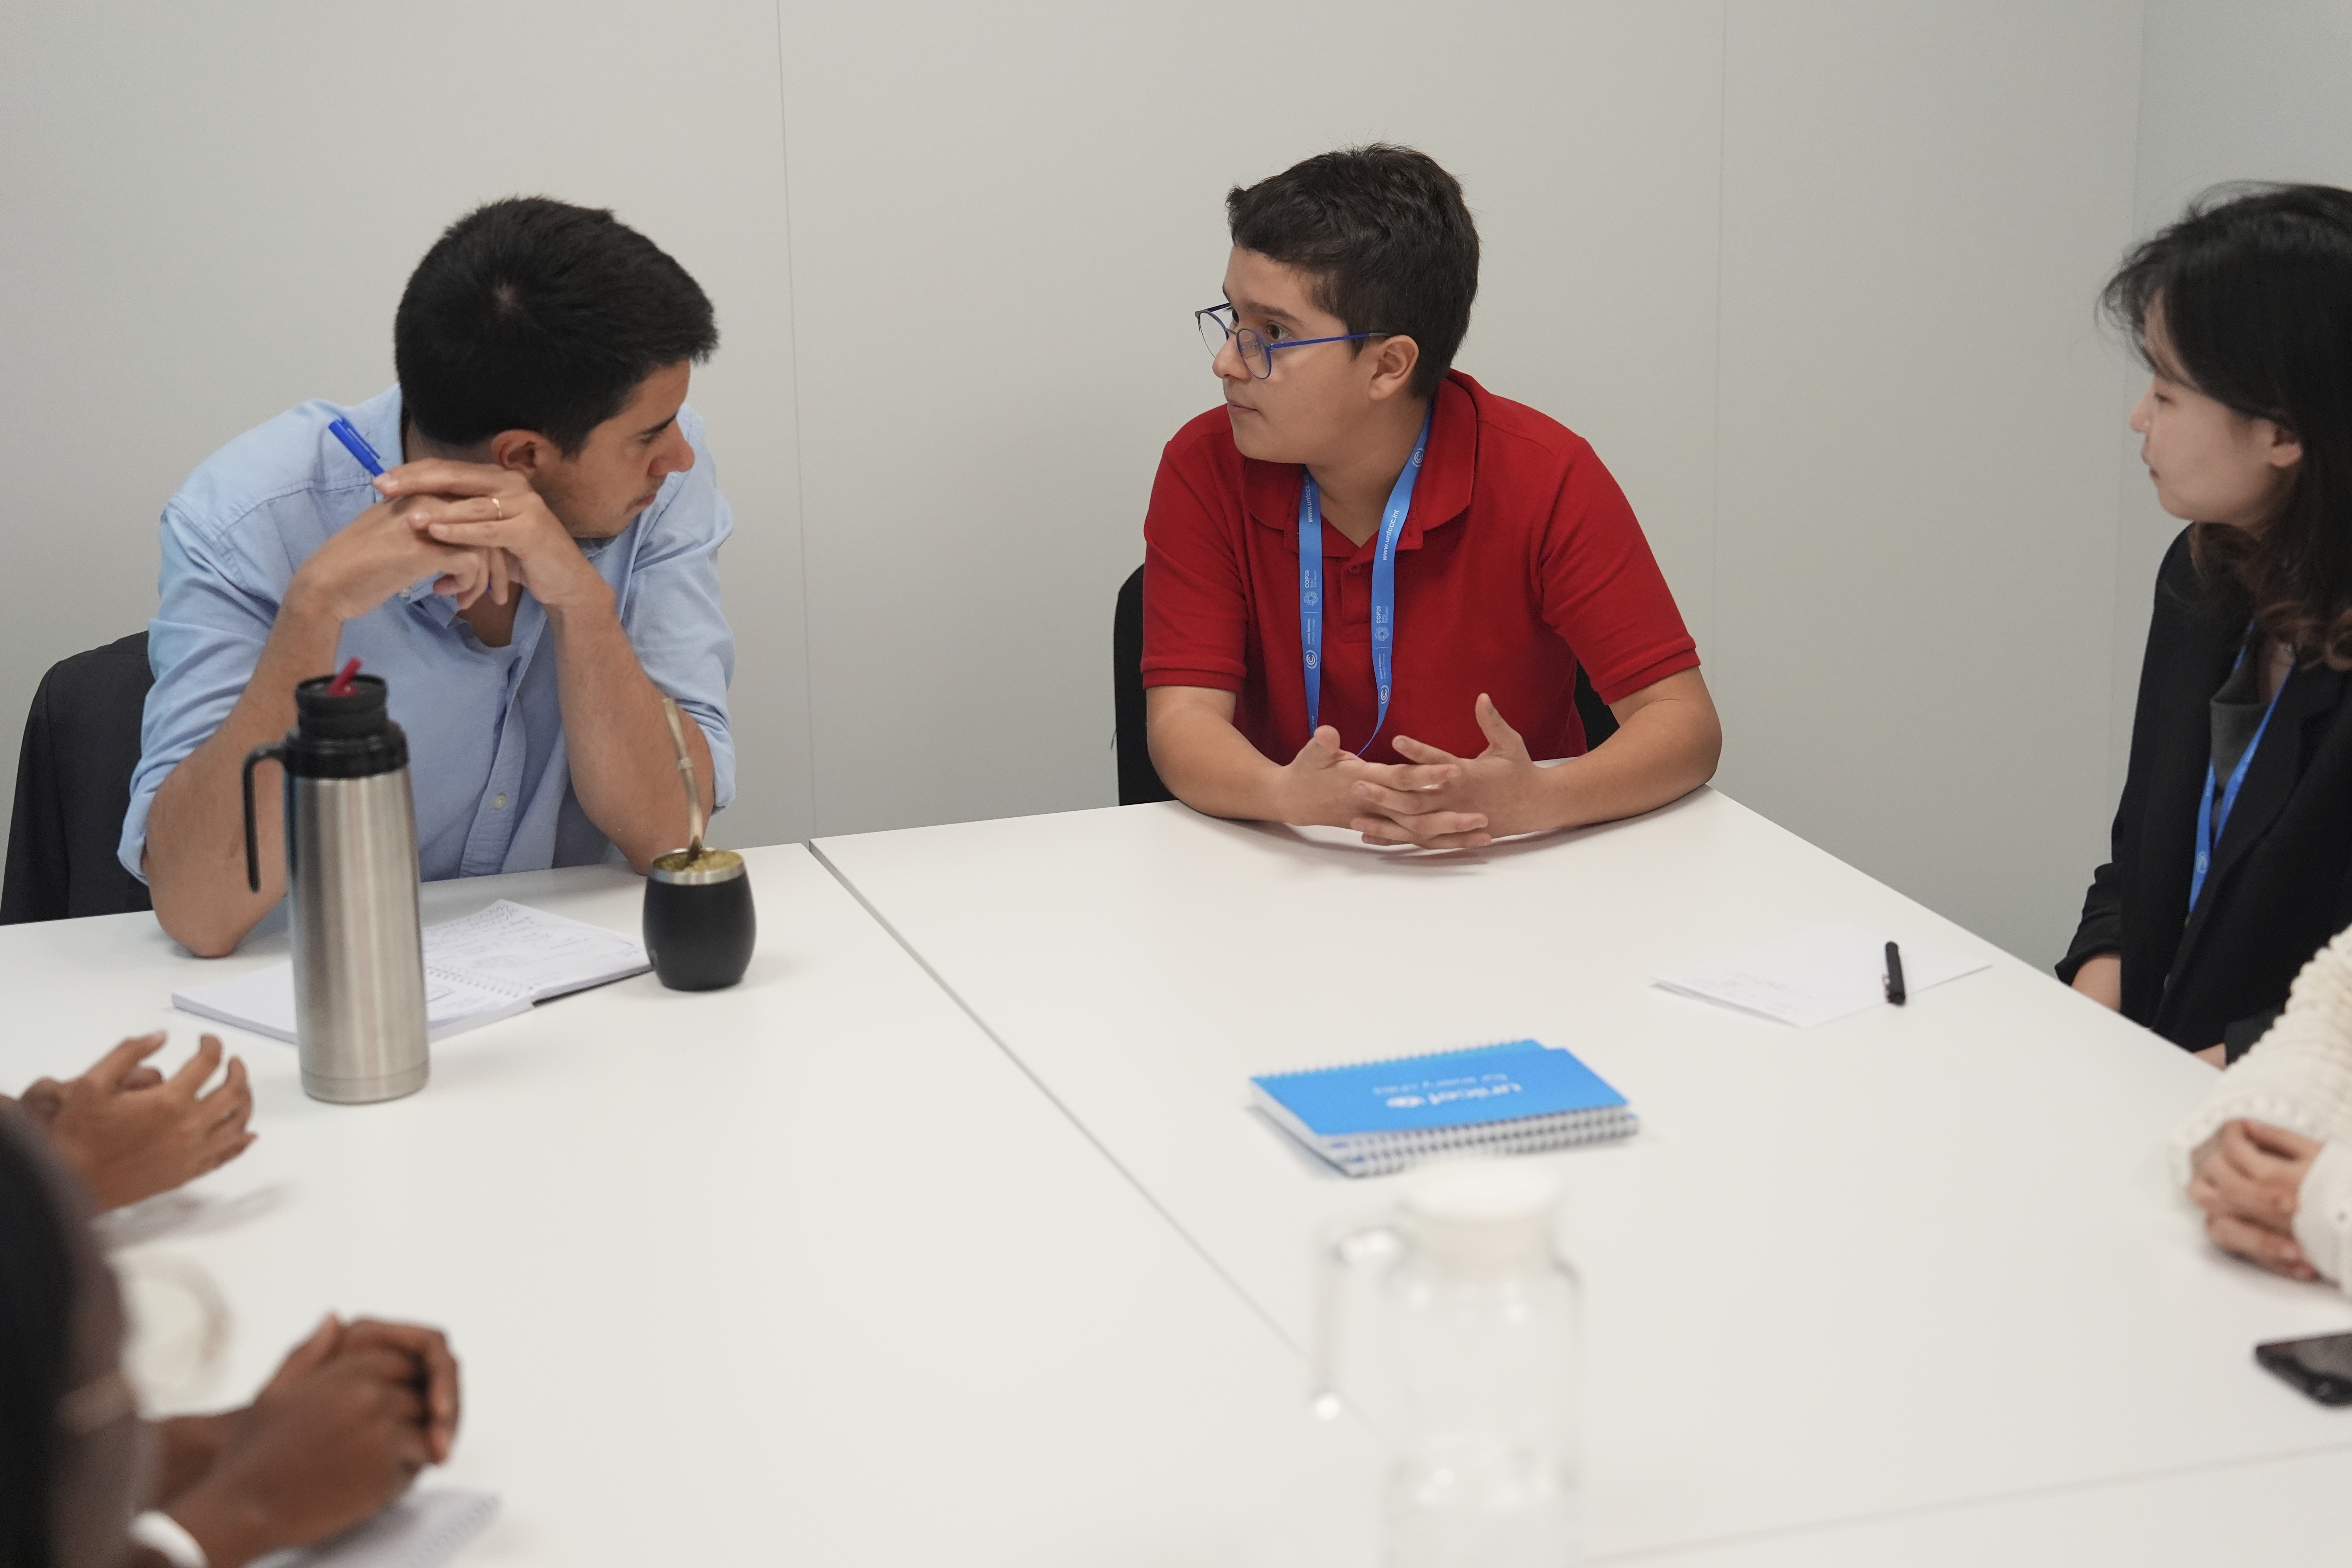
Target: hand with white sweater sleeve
[2268, 1152]
[2322, 1214]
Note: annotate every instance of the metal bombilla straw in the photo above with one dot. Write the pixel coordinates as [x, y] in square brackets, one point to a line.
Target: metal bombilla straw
[686, 777]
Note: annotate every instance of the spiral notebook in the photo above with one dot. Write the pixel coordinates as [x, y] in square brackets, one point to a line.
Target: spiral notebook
[1371, 1118]
[492, 964]
[422, 1529]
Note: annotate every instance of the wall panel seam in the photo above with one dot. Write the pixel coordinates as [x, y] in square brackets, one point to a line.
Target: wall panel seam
[2122, 708]
[800, 476]
[1715, 436]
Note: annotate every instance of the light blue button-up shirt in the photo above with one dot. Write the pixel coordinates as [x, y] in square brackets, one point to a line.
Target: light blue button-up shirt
[486, 749]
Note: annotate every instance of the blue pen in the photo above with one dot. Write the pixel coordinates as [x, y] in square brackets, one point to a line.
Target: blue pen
[356, 444]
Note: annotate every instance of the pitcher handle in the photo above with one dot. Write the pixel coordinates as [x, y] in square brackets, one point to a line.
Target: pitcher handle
[252, 851]
[1345, 1253]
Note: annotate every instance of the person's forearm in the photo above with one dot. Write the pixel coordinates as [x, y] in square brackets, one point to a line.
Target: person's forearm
[196, 828]
[624, 768]
[185, 1447]
[1660, 753]
[2101, 978]
[232, 1532]
[1212, 767]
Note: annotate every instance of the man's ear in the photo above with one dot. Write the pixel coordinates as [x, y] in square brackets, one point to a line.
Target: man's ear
[1393, 361]
[525, 452]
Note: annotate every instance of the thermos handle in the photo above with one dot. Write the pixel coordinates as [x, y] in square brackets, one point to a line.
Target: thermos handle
[252, 851]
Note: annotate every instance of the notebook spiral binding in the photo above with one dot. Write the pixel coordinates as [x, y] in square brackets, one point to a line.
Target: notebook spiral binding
[1375, 1153]
[1395, 1151]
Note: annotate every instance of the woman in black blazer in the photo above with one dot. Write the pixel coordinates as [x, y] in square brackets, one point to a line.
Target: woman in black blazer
[2233, 846]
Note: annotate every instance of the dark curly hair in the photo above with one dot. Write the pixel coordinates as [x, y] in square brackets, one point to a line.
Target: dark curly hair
[1384, 234]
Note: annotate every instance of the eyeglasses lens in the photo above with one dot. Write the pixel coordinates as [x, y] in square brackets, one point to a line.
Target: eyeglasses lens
[1212, 331]
[1216, 328]
[1254, 353]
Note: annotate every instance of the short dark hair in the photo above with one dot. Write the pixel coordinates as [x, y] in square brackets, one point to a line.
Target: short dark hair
[1385, 235]
[2255, 287]
[534, 314]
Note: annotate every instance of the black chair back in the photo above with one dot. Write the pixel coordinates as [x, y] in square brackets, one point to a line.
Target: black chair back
[1139, 781]
[1599, 722]
[73, 787]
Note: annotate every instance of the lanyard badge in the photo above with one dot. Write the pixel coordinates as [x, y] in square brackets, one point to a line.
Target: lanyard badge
[1310, 585]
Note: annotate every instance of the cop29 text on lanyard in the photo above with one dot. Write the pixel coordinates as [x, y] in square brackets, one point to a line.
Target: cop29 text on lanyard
[2212, 822]
[1310, 585]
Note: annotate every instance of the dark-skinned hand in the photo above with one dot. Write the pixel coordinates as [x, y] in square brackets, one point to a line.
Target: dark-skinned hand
[129, 1133]
[343, 1428]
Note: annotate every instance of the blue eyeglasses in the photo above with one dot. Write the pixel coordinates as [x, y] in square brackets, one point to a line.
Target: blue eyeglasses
[1217, 325]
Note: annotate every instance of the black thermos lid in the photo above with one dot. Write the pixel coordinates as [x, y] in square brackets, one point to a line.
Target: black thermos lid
[354, 716]
[349, 736]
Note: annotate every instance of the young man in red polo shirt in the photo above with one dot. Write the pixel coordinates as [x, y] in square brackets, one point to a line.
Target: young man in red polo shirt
[1475, 548]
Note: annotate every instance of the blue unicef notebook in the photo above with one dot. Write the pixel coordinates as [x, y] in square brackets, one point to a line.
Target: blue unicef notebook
[1369, 1117]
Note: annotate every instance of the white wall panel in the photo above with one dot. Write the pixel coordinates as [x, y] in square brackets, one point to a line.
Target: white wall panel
[211, 211]
[1002, 219]
[1918, 502]
[945, 386]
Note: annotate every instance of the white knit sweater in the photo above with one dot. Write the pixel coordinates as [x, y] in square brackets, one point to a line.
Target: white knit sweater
[2299, 1076]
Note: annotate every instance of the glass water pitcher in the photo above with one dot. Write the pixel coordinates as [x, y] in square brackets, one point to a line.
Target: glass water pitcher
[1453, 1328]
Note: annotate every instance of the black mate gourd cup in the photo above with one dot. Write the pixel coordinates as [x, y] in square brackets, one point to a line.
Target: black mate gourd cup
[700, 923]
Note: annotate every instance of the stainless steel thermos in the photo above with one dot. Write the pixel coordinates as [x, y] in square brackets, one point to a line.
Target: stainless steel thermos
[350, 869]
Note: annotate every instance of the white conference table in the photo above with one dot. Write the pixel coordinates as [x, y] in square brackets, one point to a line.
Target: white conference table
[1912, 1285]
[804, 1270]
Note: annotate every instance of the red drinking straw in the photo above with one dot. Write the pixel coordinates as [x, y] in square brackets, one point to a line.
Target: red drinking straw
[341, 685]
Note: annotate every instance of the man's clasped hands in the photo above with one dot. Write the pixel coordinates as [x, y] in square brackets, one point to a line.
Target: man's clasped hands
[1436, 801]
[475, 529]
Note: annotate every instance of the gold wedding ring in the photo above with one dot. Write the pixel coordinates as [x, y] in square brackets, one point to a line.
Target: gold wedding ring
[499, 509]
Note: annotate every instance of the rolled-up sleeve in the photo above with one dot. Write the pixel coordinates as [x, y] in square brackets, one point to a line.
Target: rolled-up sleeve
[206, 636]
[670, 604]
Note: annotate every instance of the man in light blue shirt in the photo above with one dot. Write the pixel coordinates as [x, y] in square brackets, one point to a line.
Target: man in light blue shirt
[534, 575]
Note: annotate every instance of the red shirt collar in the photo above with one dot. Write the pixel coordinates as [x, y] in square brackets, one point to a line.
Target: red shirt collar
[1448, 472]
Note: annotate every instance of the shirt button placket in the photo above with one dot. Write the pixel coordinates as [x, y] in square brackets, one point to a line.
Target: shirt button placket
[494, 824]
[514, 743]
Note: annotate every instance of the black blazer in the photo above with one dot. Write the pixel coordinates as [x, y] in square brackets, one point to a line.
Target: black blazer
[2281, 884]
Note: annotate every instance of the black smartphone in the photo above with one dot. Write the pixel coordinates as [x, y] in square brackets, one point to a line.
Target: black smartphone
[2320, 1367]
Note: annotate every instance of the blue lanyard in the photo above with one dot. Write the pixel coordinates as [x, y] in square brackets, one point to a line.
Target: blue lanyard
[1310, 585]
[2210, 823]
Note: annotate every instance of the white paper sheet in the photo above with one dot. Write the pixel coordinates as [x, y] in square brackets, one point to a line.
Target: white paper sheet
[515, 947]
[1818, 974]
[421, 1530]
[489, 966]
[262, 1002]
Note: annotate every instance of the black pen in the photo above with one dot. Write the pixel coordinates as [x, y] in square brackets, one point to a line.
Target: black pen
[1894, 992]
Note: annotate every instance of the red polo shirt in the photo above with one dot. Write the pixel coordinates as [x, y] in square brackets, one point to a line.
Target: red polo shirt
[1519, 559]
